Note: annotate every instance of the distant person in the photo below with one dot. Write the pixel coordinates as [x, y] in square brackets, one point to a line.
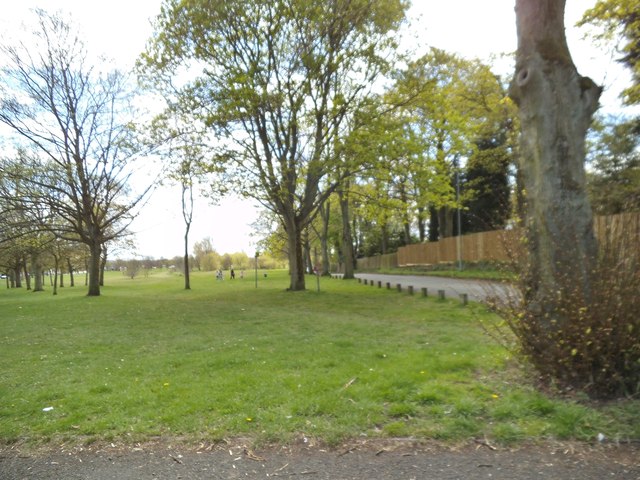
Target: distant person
[232, 274]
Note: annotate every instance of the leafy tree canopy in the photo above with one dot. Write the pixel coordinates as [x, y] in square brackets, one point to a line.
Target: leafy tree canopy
[620, 18]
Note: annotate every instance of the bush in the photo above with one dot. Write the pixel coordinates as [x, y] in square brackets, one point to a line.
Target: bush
[587, 344]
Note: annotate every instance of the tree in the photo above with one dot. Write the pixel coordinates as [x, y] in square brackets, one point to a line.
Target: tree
[556, 105]
[186, 173]
[363, 150]
[74, 122]
[280, 78]
[486, 178]
[620, 18]
[614, 156]
[576, 317]
[449, 99]
[206, 257]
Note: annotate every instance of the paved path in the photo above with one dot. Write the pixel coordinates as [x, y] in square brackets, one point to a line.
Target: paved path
[477, 290]
[353, 462]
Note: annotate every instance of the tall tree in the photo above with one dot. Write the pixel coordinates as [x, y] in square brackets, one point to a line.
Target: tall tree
[445, 92]
[619, 21]
[556, 105]
[614, 176]
[75, 123]
[278, 80]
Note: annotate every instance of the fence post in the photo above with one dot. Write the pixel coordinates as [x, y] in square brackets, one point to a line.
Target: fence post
[441, 295]
[464, 298]
[424, 291]
[399, 287]
[410, 288]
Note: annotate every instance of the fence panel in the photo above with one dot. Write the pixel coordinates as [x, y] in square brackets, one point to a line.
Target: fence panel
[377, 262]
[496, 245]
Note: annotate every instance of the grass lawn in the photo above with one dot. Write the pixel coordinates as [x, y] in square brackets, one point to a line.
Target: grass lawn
[226, 360]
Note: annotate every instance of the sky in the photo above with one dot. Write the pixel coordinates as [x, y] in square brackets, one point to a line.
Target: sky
[119, 29]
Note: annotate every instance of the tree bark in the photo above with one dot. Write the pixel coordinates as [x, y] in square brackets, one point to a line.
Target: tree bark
[55, 273]
[19, 269]
[347, 237]
[187, 278]
[434, 226]
[384, 238]
[296, 261]
[325, 213]
[37, 274]
[94, 270]
[422, 227]
[556, 105]
[103, 263]
[70, 268]
[187, 215]
[445, 222]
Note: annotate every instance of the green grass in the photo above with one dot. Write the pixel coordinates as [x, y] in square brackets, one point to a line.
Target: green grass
[226, 360]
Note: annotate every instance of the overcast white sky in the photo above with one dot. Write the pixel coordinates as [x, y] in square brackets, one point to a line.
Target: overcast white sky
[472, 28]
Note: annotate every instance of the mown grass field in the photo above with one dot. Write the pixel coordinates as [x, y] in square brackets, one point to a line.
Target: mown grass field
[225, 360]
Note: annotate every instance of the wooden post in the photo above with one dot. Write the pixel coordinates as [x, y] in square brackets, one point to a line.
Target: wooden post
[410, 288]
[424, 291]
[399, 287]
[441, 295]
[464, 298]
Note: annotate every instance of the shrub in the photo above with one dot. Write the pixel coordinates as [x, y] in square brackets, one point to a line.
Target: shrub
[587, 344]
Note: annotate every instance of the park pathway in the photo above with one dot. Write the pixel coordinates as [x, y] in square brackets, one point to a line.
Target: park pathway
[476, 290]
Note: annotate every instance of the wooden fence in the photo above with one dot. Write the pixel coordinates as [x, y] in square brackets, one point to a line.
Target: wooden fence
[378, 262]
[494, 246]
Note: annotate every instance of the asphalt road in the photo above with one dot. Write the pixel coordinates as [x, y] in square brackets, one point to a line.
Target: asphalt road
[390, 461]
[476, 290]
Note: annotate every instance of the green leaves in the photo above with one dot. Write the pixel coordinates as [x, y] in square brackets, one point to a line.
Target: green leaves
[619, 23]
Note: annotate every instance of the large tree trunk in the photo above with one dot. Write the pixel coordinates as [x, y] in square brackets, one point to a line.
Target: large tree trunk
[94, 270]
[384, 238]
[296, 261]
[325, 213]
[434, 226]
[103, 264]
[556, 106]
[347, 237]
[38, 284]
[70, 268]
[19, 269]
[445, 222]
